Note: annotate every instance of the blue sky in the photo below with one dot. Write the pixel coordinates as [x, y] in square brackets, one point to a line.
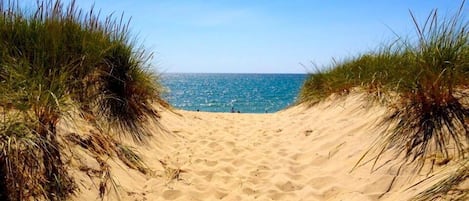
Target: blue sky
[265, 36]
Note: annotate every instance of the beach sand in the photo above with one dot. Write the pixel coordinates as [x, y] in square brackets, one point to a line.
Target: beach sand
[300, 153]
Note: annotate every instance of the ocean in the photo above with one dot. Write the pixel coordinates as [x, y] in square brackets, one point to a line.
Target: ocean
[246, 93]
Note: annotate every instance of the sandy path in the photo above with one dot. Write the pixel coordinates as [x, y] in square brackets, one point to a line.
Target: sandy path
[297, 154]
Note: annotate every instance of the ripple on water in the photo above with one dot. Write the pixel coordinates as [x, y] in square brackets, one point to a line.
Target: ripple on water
[247, 93]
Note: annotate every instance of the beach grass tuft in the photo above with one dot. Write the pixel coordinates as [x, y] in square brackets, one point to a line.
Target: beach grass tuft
[425, 76]
[448, 186]
[53, 59]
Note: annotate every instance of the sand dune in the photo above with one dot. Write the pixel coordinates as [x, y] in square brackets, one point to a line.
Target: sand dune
[296, 154]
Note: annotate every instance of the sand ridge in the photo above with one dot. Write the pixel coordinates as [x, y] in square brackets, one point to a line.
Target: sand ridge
[297, 154]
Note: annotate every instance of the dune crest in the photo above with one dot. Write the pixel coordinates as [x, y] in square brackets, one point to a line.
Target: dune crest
[297, 154]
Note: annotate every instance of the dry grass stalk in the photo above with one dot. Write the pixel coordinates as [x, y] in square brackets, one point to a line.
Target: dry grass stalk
[171, 173]
[448, 188]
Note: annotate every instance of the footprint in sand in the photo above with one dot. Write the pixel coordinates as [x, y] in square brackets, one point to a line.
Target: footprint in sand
[171, 194]
[226, 159]
[267, 152]
[197, 161]
[259, 173]
[275, 195]
[332, 190]
[214, 145]
[300, 156]
[228, 169]
[282, 152]
[236, 151]
[239, 162]
[298, 168]
[230, 144]
[248, 191]
[263, 166]
[288, 186]
[294, 176]
[321, 182]
[219, 194]
[207, 175]
[319, 160]
[255, 181]
[211, 163]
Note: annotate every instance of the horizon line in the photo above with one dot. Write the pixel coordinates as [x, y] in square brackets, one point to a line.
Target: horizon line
[231, 73]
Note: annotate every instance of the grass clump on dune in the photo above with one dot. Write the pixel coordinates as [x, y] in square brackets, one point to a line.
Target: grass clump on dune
[450, 185]
[54, 59]
[429, 76]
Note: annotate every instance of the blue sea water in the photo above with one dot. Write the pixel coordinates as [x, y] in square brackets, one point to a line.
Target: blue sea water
[247, 93]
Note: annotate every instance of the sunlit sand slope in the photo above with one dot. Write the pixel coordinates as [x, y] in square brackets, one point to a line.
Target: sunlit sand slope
[297, 154]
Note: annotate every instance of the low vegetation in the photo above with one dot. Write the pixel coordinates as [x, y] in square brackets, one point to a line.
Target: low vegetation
[428, 75]
[448, 186]
[55, 61]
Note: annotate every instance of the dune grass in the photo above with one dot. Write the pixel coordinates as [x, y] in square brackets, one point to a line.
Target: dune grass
[449, 186]
[54, 59]
[427, 74]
